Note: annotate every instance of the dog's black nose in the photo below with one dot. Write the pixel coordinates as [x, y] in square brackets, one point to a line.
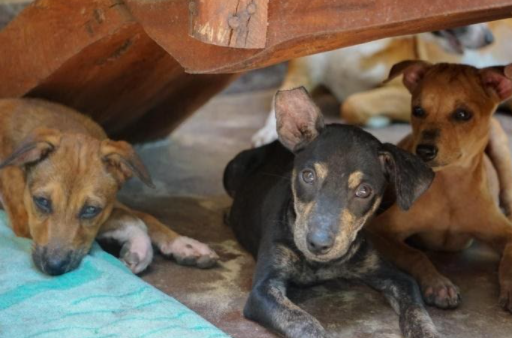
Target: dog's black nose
[320, 242]
[426, 152]
[56, 266]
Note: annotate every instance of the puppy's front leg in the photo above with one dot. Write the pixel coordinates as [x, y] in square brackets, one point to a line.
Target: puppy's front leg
[269, 306]
[497, 232]
[185, 250]
[403, 294]
[128, 230]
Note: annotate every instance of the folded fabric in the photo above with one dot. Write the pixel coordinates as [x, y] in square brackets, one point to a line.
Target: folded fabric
[101, 299]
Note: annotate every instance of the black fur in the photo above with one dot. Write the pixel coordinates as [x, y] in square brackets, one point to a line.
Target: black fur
[263, 217]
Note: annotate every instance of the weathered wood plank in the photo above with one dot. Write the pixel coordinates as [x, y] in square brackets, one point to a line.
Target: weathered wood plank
[229, 23]
[93, 56]
[302, 27]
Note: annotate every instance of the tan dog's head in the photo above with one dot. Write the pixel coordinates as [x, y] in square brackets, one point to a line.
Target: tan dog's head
[452, 106]
[71, 186]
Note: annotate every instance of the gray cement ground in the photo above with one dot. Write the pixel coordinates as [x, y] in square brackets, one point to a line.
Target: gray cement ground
[187, 169]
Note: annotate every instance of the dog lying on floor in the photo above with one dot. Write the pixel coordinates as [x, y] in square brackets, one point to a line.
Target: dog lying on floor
[452, 125]
[58, 183]
[354, 74]
[300, 211]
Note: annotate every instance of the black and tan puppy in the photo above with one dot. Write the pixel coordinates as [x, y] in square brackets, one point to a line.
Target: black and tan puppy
[300, 211]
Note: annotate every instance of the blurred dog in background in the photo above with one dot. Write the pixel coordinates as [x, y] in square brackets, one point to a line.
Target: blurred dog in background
[355, 74]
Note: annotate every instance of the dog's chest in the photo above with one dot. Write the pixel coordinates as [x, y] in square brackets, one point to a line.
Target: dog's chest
[344, 73]
[309, 275]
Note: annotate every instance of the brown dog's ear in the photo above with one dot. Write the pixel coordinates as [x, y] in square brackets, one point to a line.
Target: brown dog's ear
[34, 148]
[299, 120]
[498, 80]
[123, 162]
[413, 71]
[408, 174]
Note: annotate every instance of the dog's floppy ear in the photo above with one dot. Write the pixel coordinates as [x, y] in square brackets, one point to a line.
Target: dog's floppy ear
[408, 174]
[498, 80]
[299, 120]
[37, 146]
[413, 71]
[123, 162]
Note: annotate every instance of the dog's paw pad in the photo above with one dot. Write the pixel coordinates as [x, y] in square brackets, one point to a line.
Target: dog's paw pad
[188, 251]
[137, 254]
[442, 294]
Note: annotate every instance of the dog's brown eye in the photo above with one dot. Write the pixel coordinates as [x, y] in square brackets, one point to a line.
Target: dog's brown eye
[462, 115]
[308, 176]
[418, 112]
[363, 191]
[43, 204]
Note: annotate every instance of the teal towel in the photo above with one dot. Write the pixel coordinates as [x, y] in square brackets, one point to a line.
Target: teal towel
[101, 299]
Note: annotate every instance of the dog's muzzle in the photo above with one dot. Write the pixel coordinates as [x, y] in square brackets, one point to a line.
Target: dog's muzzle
[55, 262]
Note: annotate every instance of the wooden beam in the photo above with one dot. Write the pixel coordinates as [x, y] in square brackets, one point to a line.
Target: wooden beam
[302, 27]
[229, 23]
[93, 56]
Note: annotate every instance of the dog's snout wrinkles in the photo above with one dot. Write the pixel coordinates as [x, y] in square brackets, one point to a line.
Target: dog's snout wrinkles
[426, 152]
[320, 242]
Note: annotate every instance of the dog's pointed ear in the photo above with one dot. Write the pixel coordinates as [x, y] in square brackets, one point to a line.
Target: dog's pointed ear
[36, 147]
[123, 162]
[408, 174]
[413, 71]
[299, 120]
[498, 80]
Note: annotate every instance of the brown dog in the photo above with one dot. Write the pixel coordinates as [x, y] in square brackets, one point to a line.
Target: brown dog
[452, 107]
[59, 179]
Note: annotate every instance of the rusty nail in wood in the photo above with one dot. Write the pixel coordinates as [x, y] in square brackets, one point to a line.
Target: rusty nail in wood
[234, 22]
[251, 8]
[192, 7]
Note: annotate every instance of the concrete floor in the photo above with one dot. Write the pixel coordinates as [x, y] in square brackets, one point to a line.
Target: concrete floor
[187, 170]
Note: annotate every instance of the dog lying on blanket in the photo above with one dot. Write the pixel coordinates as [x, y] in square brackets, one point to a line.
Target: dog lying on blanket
[354, 74]
[58, 183]
[299, 206]
[452, 127]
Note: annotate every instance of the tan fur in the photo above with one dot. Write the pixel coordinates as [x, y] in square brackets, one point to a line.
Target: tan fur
[321, 170]
[461, 204]
[355, 179]
[84, 168]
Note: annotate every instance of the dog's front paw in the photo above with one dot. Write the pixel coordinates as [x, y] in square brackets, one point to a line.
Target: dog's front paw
[441, 292]
[416, 323]
[188, 251]
[506, 296]
[137, 253]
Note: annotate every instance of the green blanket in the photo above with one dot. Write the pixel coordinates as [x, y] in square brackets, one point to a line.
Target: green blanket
[101, 299]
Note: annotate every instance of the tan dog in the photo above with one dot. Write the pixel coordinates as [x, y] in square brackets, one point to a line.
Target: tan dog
[354, 74]
[452, 125]
[59, 179]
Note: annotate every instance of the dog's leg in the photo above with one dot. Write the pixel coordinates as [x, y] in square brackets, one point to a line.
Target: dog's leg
[437, 289]
[496, 230]
[402, 293]
[299, 74]
[268, 303]
[185, 250]
[128, 230]
[376, 107]
[12, 188]
[499, 153]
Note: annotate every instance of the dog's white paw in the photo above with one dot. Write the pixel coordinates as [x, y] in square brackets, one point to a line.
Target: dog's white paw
[137, 253]
[266, 134]
[188, 251]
